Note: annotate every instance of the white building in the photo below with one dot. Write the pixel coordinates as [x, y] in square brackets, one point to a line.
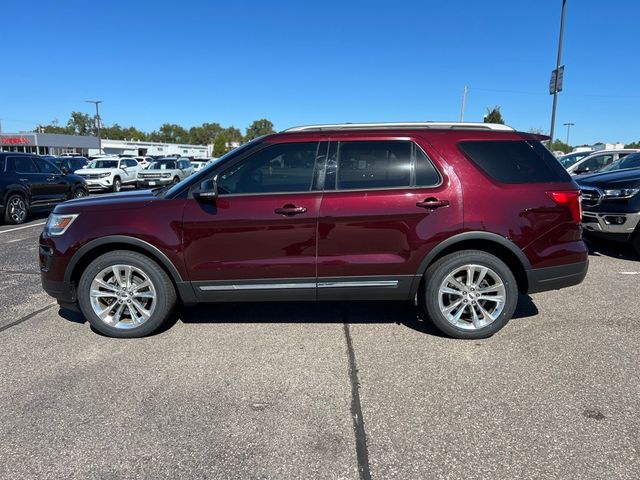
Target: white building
[142, 148]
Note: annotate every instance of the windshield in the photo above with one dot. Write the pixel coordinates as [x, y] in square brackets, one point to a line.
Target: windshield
[630, 161]
[162, 166]
[103, 164]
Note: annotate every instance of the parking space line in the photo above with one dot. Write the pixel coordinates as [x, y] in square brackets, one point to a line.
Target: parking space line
[22, 228]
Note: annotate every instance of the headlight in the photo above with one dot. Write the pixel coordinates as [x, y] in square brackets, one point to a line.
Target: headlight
[58, 224]
[166, 175]
[621, 192]
[105, 175]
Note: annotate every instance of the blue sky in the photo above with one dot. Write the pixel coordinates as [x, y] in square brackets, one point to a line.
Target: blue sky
[313, 62]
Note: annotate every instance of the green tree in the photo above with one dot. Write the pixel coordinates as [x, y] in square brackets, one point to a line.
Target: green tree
[259, 128]
[633, 145]
[220, 146]
[205, 134]
[80, 124]
[170, 133]
[232, 134]
[561, 146]
[493, 115]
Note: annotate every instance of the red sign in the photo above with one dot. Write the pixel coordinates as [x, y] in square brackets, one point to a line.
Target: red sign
[14, 141]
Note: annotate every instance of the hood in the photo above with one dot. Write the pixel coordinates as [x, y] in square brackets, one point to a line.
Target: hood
[86, 171]
[618, 179]
[109, 202]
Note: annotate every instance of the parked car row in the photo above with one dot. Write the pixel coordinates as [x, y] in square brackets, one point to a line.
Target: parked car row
[30, 183]
[582, 163]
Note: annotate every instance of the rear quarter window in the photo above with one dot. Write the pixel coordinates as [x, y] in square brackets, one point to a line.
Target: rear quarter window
[515, 161]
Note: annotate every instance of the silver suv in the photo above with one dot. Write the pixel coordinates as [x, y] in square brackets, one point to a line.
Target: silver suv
[164, 171]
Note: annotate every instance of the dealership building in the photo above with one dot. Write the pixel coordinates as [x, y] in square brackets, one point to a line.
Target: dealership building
[57, 144]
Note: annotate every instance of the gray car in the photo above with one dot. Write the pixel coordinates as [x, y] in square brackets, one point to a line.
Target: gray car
[164, 171]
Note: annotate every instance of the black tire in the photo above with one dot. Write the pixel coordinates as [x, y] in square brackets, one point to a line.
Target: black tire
[16, 210]
[117, 185]
[165, 293]
[440, 270]
[80, 192]
[176, 180]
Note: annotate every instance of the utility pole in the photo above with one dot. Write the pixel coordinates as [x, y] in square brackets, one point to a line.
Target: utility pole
[464, 101]
[97, 102]
[555, 90]
[568, 125]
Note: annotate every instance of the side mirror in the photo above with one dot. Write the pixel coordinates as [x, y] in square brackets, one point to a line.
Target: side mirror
[208, 191]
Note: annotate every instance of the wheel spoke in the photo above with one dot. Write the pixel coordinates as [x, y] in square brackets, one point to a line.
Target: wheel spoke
[452, 307]
[459, 313]
[477, 323]
[140, 286]
[486, 314]
[491, 288]
[143, 311]
[116, 273]
[116, 316]
[106, 285]
[451, 279]
[101, 294]
[450, 291]
[470, 272]
[143, 295]
[481, 275]
[127, 276]
[492, 298]
[104, 313]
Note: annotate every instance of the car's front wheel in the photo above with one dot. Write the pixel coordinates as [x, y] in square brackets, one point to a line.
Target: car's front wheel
[470, 294]
[16, 209]
[117, 185]
[125, 294]
[80, 192]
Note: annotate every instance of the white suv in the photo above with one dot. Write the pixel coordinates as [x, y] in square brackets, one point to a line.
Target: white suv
[110, 173]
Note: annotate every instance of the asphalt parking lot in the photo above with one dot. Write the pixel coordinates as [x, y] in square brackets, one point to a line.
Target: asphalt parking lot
[299, 390]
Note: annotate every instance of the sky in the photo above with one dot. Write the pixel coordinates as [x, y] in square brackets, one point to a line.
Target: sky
[299, 62]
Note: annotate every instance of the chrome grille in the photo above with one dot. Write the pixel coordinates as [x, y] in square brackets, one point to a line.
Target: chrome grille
[591, 196]
[91, 176]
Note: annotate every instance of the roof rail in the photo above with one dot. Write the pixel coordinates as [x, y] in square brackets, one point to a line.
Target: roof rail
[392, 125]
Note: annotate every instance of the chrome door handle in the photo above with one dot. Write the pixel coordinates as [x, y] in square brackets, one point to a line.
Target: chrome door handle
[290, 210]
[432, 203]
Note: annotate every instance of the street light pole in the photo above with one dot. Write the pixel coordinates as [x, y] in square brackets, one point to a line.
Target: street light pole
[555, 90]
[568, 125]
[464, 101]
[97, 102]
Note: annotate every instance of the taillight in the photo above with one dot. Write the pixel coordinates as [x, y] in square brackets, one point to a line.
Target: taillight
[571, 199]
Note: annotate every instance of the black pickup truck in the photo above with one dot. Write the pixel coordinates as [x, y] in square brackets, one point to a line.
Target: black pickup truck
[30, 183]
[611, 201]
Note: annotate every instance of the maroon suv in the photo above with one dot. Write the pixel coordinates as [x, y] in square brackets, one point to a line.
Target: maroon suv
[460, 216]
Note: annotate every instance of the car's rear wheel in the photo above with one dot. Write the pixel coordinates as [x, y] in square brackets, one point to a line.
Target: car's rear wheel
[125, 294]
[117, 185]
[16, 209]
[470, 294]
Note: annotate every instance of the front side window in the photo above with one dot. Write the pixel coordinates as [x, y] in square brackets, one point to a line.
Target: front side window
[629, 161]
[45, 167]
[285, 167]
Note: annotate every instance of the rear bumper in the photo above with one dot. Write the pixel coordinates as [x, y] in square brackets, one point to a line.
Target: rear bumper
[555, 278]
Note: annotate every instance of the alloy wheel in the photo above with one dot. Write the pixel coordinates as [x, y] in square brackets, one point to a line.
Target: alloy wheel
[17, 209]
[472, 297]
[123, 296]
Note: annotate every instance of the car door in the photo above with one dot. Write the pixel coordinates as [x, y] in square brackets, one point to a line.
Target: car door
[57, 186]
[384, 207]
[25, 172]
[131, 169]
[257, 239]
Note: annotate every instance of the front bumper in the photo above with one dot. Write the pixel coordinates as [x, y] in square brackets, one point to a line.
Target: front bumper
[555, 278]
[99, 184]
[612, 222]
[154, 182]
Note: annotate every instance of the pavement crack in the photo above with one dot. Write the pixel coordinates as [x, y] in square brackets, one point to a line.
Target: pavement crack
[362, 453]
[19, 272]
[26, 317]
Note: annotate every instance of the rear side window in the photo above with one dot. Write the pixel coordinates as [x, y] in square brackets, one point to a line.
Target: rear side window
[378, 164]
[21, 165]
[519, 161]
